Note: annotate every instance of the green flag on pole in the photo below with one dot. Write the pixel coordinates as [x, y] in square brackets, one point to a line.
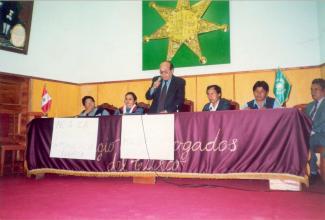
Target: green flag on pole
[282, 87]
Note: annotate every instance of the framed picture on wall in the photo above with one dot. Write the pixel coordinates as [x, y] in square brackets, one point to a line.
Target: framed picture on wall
[15, 24]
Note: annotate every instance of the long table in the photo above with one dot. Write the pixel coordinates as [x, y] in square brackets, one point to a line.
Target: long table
[246, 144]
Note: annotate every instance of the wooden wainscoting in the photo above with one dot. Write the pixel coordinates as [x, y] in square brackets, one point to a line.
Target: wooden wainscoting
[14, 98]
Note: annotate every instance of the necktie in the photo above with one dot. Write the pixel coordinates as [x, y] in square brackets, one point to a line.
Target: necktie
[313, 112]
[162, 98]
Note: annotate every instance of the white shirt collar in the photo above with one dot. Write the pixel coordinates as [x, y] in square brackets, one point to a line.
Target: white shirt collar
[131, 110]
[255, 103]
[320, 101]
[211, 108]
[318, 104]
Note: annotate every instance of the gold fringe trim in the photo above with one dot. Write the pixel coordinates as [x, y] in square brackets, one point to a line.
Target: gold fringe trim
[261, 176]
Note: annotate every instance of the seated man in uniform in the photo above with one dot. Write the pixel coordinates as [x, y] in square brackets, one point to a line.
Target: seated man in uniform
[262, 100]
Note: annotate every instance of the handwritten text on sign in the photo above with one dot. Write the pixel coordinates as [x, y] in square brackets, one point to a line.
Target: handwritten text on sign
[148, 137]
[74, 138]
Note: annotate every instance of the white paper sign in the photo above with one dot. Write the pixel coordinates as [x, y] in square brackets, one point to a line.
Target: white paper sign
[147, 137]
[74, 138]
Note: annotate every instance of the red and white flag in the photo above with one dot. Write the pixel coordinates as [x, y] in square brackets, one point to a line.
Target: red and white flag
[46, 100]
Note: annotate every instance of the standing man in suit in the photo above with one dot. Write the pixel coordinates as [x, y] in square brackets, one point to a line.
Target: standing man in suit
[167, 91]
[216, 103]
[316, 111]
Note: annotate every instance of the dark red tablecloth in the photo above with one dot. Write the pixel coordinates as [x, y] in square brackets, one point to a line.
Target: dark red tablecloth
[259, 144]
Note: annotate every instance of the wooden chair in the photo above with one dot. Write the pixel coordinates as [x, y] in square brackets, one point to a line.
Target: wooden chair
[16, 146]
[15, 149]
[233, 105]
[144, 106]
[188, 106]
[4, 128]
[110, 108]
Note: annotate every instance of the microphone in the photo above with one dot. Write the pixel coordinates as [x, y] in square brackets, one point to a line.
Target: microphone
[156, 83]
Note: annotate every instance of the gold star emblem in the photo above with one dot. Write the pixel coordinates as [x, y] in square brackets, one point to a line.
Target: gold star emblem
[183, 25]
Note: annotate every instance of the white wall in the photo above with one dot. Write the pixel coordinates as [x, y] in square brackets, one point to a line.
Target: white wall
[83, 41]
[321, 24]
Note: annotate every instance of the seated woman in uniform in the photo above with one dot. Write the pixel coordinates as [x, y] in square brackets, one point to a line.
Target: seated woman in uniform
[262, 100]
[130, 106]
[90, 110]
[216, 103]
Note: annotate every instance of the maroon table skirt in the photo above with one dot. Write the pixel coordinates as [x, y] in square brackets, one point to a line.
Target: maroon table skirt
[246, 144]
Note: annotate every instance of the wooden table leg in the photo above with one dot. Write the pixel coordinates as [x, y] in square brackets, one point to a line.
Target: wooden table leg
[13, 158]
[145, 180]
[39, 176]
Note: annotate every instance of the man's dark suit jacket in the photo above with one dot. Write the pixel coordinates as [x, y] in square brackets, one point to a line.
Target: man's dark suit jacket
[223, 105]
[175, 95]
